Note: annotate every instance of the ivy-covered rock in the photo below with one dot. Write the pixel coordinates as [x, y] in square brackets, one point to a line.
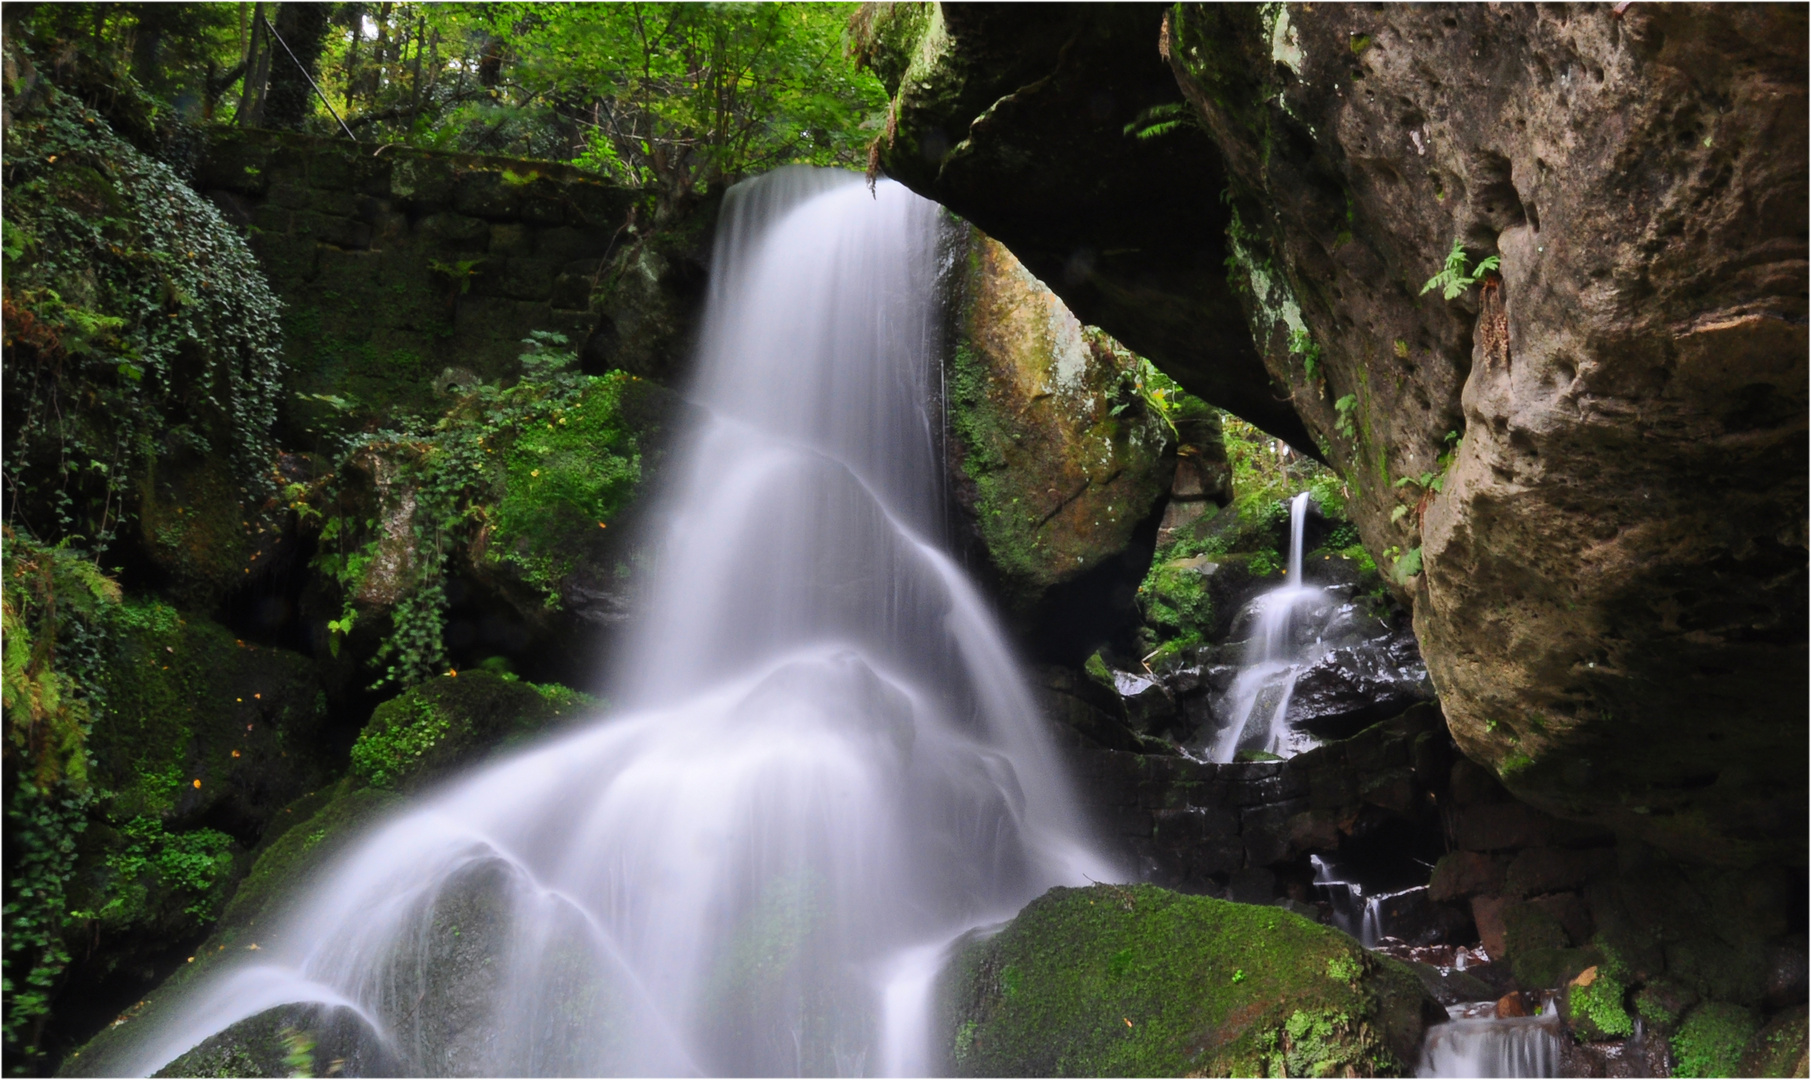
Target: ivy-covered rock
[1059, 444]
[529, 491]
[1138, 981]
[142, 351]
[453, 720]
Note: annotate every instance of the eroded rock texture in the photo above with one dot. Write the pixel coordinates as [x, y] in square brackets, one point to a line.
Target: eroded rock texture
[1013, 116]
[1588, 468]
[1056, 462]
[1612, 596]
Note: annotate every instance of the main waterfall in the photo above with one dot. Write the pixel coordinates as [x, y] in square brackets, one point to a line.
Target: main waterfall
[824, 765]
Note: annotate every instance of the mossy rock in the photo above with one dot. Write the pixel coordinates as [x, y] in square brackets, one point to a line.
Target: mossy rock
[291, 1040]
[302, 837]
[200, 740]
[1779, 1048]
[1139, 981]
[453, 720]
[1058, 459]
[1712, 1039]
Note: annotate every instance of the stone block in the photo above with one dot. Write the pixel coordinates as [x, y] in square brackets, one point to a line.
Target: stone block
[1569, 911]
[1333, 790]
[589, 204]
[1392, 789]
[1253, 885]
[486, 195]
[542, 209]
[420, 181]
[1266, 832]
[1460, 874]
[234, 165]
[568, 245]
[1470, 782]
[270, 219]
[511, 238]
[1199, 843]
[1312, 831]
[1487, 914]
[455, 233]
[341, 232]
[287, 190]
[340, 203]
[331, 171]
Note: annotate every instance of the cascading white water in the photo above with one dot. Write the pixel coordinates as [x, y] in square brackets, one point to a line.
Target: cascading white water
[1276, 651]
[826, 766]
[1519, 1046]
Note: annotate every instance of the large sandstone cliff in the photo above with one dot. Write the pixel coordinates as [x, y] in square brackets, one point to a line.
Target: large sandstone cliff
[1588, 467]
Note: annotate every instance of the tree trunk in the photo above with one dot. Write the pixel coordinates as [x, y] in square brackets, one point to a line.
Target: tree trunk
[302, 27]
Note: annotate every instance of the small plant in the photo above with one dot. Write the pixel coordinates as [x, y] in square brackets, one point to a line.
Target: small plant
[1301, 343]
[1238, 975]
[1344, 969]
[1344, 409]
[1161, 120]
[1452, 280]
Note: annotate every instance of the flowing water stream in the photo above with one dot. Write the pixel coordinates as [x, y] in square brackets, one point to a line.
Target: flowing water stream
[825, 765]
[1283, 638]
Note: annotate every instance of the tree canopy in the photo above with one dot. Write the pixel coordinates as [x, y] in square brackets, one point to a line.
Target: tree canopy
[675, 96]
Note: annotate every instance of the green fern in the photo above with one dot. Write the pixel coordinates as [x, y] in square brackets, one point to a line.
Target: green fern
[1452, 280]
[1161, 120]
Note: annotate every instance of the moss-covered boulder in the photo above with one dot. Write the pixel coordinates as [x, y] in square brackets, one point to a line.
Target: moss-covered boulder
[453, 720]
[1138, 981]
[1057, 457]
[200, 740]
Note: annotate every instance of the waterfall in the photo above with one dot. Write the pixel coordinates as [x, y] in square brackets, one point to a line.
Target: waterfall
[1283, 638]
[825, 766]
[1519, 1046]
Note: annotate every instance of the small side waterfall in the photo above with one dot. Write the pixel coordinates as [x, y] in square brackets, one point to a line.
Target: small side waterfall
[1520, 1046]
[1283, 638]
[828, 765]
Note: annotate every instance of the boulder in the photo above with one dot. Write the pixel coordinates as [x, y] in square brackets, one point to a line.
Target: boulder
[1057, 461]
[1137, 981]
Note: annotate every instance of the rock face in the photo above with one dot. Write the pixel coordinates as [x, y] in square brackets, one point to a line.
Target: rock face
[1138, 981]
[1055, 458]
[1014, 117]
[1587, 468]
[459, 257]
[1613, 567]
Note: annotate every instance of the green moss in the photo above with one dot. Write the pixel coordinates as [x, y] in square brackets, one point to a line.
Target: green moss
[568, 475]
[1596, 1009]
[1138, 981]
[443, 722]
[1711, 1040]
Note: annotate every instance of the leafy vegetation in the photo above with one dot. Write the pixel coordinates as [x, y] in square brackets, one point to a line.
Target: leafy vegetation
[530, 468]
[1453, 279]
[1711, 1040]
[679, 97]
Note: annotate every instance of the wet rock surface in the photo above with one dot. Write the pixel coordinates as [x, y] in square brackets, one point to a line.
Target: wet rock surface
[1055, 462]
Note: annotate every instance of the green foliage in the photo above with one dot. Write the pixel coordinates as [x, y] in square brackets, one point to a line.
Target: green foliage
[1711, 1040]
[1407, 566]
[1453, 280]
[1302, 344]
[1163, 119]
[137, 321]
[1343, 409]
[384, 752]
[1600, 1004]
[190, 863]
[1344, 969]
[535, 469]
[50, 610]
